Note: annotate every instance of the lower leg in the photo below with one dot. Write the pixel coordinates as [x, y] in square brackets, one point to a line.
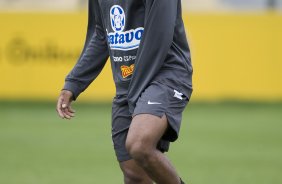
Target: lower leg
[158, 167]
[134, 174]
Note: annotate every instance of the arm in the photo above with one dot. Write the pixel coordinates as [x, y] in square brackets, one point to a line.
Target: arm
[89, 65]
[93, 57]
[157, 39]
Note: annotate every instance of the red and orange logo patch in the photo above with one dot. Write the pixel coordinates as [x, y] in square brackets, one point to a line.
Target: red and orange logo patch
[126, 71]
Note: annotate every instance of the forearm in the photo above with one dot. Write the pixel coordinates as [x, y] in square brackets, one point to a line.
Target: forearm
[93, 57]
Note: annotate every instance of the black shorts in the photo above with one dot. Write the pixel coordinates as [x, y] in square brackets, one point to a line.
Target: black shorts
[158, 99]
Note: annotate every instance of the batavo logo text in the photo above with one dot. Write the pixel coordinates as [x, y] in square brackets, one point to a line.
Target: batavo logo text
[120, 39]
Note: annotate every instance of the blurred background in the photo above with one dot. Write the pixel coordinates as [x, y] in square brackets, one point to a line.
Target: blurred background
[232, 128]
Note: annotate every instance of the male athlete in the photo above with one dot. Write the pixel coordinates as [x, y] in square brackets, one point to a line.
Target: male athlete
[150, 58]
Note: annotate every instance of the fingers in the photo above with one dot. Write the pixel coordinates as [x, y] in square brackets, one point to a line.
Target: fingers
[63, 106]
[71, 110]
[65, 111]
[59, 108]
[68, 113]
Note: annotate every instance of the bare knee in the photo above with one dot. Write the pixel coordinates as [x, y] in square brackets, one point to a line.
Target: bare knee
[144, 133]
[140, 151]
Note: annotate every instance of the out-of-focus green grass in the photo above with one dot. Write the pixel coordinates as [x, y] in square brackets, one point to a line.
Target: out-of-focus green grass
[224, 143]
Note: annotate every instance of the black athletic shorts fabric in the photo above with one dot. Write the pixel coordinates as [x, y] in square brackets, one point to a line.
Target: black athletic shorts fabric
[158, 99]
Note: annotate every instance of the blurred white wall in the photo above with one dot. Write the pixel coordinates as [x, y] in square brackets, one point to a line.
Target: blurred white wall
[189, 5]
[42, 5]
[230, 5]
[279, 4]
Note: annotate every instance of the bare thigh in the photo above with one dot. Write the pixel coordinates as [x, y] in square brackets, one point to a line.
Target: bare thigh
[147, 130]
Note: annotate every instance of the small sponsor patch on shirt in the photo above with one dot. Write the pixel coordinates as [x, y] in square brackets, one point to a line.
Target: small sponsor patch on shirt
[126, 71]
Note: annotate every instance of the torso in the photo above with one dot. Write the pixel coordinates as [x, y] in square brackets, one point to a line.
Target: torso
[124, 25]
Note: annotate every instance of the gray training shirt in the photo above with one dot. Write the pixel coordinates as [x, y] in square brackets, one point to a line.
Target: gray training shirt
[146, 42]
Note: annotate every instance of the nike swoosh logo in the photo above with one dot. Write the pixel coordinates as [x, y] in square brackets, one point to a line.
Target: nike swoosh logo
[153, 103]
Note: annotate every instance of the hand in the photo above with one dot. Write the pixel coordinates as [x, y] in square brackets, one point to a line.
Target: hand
[64, 105]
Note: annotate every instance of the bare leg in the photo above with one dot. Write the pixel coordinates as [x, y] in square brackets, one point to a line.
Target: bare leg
[144, 133]
[134, 174]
